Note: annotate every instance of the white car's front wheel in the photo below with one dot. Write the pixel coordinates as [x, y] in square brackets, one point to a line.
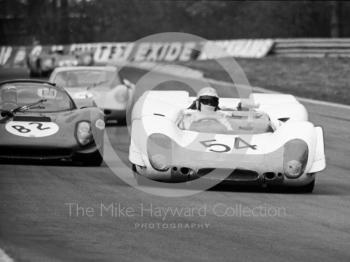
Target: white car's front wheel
[139, 180]
[304, 189]
[308, 188]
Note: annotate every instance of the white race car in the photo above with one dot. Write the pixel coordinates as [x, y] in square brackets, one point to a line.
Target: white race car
[96, 85]
[271, 141]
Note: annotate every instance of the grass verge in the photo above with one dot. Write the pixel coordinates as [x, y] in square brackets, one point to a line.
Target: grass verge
[325, 79]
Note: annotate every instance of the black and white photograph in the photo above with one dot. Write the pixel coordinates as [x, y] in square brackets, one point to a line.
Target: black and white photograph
[174, 130]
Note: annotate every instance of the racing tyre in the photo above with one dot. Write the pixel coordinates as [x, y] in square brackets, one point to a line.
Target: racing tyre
[121, 122]
[307, 188]
[139, 180]
[136, 175]
[92, 159]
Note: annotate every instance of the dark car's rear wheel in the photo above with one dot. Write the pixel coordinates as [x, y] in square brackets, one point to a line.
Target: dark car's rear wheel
[90, 159]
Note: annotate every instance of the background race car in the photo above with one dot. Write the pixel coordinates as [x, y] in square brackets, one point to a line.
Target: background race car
[40, 121]
[270, 141]
[97, 85]
[41, 63]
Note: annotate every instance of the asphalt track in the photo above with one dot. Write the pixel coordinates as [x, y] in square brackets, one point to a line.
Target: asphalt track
[35, 223]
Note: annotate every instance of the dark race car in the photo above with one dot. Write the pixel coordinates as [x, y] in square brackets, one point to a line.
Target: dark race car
[39, 120]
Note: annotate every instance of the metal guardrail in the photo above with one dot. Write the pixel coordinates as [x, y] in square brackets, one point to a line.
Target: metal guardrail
[312, 47]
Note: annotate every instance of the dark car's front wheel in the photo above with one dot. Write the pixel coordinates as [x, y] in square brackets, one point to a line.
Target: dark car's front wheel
[90, 159]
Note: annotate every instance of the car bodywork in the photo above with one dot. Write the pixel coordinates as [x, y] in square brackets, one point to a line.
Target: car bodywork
[50, 135]
[289, 152]
[113, 96]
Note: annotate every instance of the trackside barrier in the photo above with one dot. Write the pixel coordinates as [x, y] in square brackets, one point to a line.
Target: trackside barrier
[312, 47]
[104, 53]
[245, 48]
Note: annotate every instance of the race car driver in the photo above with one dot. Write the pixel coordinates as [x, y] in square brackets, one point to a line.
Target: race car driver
[204, 108]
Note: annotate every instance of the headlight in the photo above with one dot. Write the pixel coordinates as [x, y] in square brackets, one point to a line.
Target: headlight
[158, 162]
[293, 168]
[122, 94]
[84, 133]
[295, 158]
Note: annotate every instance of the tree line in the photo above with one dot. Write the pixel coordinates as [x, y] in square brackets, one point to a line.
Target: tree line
[76, 21]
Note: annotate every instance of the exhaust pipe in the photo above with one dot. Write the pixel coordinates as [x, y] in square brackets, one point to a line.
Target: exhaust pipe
[183, 173]
[185, 170]
[270, 176]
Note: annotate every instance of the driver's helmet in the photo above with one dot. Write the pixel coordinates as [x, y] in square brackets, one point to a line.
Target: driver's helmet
[208, 96]
[9, 96]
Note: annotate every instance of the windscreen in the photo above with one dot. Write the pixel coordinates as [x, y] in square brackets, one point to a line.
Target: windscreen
[85, 78]
[14, 95]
